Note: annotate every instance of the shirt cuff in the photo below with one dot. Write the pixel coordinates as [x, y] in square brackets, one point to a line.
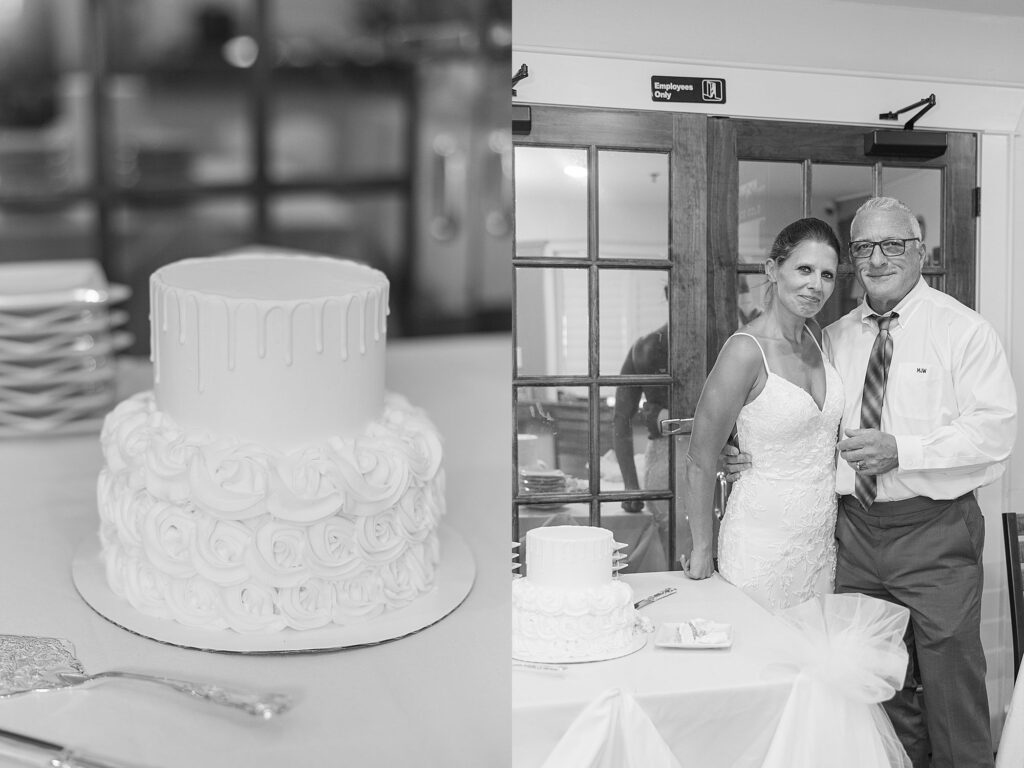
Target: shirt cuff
[910, 451]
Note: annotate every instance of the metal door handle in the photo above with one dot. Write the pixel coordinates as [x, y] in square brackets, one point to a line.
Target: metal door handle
[498, 221]
[444, 223]
[722, 496]
[669, 427]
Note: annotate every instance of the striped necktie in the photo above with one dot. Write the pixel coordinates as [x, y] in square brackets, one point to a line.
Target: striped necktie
[866, 486]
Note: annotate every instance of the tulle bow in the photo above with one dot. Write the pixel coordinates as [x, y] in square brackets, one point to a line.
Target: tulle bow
[849, 655]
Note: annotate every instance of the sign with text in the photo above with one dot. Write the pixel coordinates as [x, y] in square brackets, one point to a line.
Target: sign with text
[695, 90]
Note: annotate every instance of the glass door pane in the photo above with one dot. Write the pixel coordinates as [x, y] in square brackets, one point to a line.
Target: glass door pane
[632, 193]
[921, 189]
[552, 318]
[770, 196]
[634, 304]
[551, 202]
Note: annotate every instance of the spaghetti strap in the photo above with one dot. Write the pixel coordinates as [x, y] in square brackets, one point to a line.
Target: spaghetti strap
[763, 356]
[815, 340]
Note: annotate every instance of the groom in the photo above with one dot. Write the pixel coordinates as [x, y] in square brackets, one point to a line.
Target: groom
[930, 417]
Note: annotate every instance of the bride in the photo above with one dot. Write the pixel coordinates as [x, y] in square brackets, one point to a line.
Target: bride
[771, 380]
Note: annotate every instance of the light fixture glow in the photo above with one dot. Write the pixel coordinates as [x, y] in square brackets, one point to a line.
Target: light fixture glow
[240, 51]
[10, 10]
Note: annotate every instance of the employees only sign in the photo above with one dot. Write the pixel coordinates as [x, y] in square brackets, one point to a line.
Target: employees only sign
[694, 90]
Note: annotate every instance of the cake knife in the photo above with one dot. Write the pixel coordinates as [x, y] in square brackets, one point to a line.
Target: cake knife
[59, 754]
[656, 596]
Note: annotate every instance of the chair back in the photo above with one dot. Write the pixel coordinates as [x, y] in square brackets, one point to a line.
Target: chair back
[1013, 530]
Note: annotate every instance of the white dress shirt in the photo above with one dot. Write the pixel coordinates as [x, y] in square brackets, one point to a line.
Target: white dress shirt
[949, 401]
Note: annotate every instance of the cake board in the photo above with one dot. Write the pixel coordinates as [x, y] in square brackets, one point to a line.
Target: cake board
[638, 643]
[455, 576]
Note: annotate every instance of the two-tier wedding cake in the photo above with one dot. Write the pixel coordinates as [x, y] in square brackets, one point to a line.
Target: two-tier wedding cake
[570, 606]
[268, 481]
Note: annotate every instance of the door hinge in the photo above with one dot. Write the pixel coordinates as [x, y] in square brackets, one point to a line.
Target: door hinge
[977, 202]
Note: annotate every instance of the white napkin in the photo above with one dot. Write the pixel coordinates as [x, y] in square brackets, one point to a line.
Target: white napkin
[613, 731]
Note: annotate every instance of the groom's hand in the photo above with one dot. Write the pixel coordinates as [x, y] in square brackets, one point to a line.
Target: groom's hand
[869, 451]
[734, 462]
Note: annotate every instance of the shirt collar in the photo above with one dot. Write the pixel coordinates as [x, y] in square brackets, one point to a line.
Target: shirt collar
[903, 309]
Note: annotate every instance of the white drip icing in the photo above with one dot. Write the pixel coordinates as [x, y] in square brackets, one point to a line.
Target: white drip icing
[376, 296]
[289, 341]
[261, 341]
[318, 328]
[346, 303]
[361, 298]
[154, 330]
[371, 306]
[181, 317]
[199, 335]
[231, 313]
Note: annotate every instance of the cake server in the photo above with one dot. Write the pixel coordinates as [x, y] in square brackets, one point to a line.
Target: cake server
[33, 664]
[29, 748]
[656, 596]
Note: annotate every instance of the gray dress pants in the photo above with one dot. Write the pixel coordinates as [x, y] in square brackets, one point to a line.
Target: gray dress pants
[926, 555]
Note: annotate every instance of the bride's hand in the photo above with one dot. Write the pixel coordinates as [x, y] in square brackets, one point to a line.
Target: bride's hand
[697, 566]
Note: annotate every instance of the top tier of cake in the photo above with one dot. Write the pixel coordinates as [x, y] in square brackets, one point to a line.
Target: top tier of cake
[269, 345]
[570, 556]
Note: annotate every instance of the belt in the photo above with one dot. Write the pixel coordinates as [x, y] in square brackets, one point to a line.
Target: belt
[899, 506]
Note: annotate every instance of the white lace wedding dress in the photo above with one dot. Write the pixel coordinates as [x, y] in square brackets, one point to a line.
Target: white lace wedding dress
[777, 538]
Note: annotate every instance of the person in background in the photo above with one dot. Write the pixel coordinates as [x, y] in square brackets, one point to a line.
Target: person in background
[930, 417]
[648, 355]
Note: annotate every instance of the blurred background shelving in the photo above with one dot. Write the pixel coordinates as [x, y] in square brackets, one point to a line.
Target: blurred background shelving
[139, 132]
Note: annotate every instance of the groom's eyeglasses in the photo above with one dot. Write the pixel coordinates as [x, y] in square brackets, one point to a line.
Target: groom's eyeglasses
[891, 247]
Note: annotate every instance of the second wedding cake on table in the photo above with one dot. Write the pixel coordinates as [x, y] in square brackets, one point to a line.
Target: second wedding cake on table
[570, 606]
[268, 481]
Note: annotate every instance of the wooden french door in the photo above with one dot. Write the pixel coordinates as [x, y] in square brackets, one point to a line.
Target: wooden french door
[628, 221]
[610, 246]
[764, 174]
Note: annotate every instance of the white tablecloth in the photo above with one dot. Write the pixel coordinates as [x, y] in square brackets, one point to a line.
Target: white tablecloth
[436, 698]
[714, 708]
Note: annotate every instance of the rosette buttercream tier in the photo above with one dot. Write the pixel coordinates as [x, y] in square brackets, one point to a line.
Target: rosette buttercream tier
[216, 532]
[551, 624]
[570, 606]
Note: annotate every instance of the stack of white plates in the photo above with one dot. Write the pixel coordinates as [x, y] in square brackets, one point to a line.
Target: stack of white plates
[540, 481]
[58, 341]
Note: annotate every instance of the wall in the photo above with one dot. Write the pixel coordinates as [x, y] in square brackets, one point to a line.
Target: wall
[816, 60]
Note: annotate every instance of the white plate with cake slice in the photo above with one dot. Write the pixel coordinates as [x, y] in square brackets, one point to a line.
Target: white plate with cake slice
[694, 634]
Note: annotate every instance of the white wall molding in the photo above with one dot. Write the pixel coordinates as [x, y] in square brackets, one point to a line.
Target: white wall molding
[624, 82]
